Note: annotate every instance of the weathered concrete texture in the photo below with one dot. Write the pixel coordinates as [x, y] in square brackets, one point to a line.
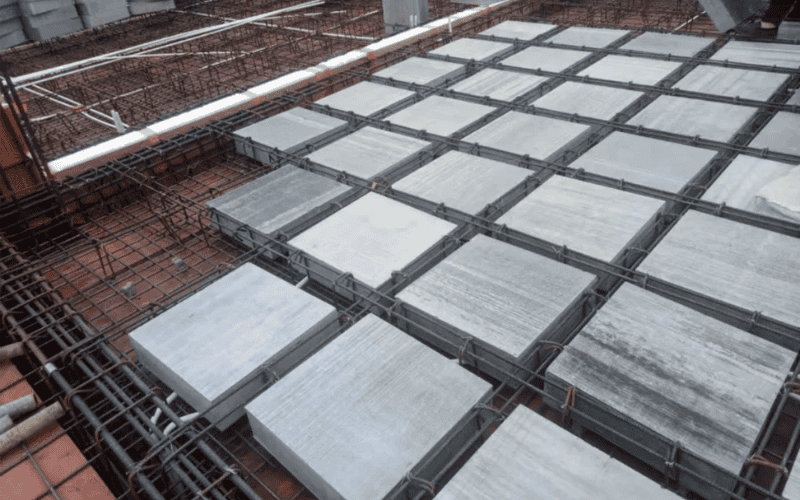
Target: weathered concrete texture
[781, 134]
[356, 417]
[372, 237]
[783, 195]
[763, 53]
[96, 13]
[365, 98]
[591, 219]
[792, 489]
[206, 347]
[537, 136]
[789, 31]
[686, 376]
[732, 82]
[279, 198]
[518, 30]
[667, 43]
[403, 14]
[497, 293]
[11, 33]
[461, 181]
[545, 58]
[710, 120]
[795, 99]
[630, 69]
[743, 265]
[368, 152]
[470, 48]
[530, 457]
[45, 20]
[587, 100]
[641, 160]
[440, 115]
[422, 71]
[588, 37]
[502, 85]
[287, 131]
[727, 14]
[147, 6]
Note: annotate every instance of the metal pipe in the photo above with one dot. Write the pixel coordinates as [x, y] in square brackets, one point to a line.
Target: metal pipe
[25, 404]
[12, 351]
[30, 427]
[5, 423]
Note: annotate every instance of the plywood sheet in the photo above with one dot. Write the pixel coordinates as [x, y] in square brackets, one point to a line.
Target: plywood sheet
[781, 134]
[440, 115]
[518, 30]
[760, 53]
[502, 85]
[588, 37]
[593, 101]
[470, 48]
[545, 58]
[668, 43]
[365, 98]
[630, 69]
[732, 82]
[422, 71]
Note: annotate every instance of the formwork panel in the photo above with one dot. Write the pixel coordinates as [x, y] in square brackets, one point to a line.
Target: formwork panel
[760, 53]
[642, 160]
[461, 181]
[684, 375]
[630, 69]
[470, 48]
[440, 115]
[692, 117]
[372, 237]
[208, 347]
[781, 134]
[667, 43]
[545, 58]
[732, 82]
[368, 152]
[587, 100]
[422, 71]
[287, 131]
[591, 219]
[530, 457]
[743, 265]
[365, 98]
[354, 419]
[523, 134]
[588, 37]
[518, 30]
[501, 85]
[497, 293]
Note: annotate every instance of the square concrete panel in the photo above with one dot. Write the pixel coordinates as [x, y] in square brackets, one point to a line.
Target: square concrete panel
[593, 101]
[732, 82]
[781, 134]
[272, 202]
[761, 53]
[502, 85]
[545, 58]
[518, 30]
[588, 37]
[739, 264]
[530, 457]
[692, 117]
[356, 417]
[792, 489]
[206, 347]
[461, 181]
[422, 71]
[440, 115]
[524, 134]
[630, 69]
[470, 48]
[666, 43]
[288, 131]
[641, 160]
[372, 237]
[368, 152]
[365, 98]
[591, 219]
[500, 294]
[686, 376]
[795, 99]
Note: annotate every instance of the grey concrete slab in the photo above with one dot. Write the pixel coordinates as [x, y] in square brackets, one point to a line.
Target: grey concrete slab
[530, 457]
[630, 69]
[502, 85]
[537, 136]
[642, 160]
[462, 181]
[399, 15]
[365, 98]
[588, 37]
[368, 152]
[781, 134]
[732, 82]
[686, 376]
[470, 48]
[147, 7]
[760, 53]
[9, 12]
[795, 99]
[372, 237]
[545, 58]
[692, 117]
[272, 202]
[440, 115]
[783, 195]
[497, 293]
[668, 43]
[422, 71]
[56, 29]
[792, 489]
[49, 17]
[591, 219]
[789, 31]
[739, 264]
[206, 347]
[727, 14]
[13, 38]
[354, 419]
[593, 101]
[287, 131]
[518, 30]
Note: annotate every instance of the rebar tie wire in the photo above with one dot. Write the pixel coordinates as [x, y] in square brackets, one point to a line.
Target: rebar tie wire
[760, 460]
[427, 485]
[569, 403]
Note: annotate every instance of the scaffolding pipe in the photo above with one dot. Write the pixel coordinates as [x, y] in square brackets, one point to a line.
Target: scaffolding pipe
[30, 427]
[25, 404]
[5, 423]
[12, 351]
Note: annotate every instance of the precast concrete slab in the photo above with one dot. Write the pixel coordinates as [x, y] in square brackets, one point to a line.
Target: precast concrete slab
[732, 82]
[792, 489]
[760, 53]
[669, 44]
[471, 48]
[631, 69]
[440, 115]
[593, 101]
[795, 99]
[353, 420]
[781, 134]
[546, 58]
[422, 71]
[789, 30]
[501, 85]
[365, 98]
[596, 38]
[518, 30]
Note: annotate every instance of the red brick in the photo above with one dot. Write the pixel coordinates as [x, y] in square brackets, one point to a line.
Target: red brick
[59, 459]
[22, 483]
[86, 485]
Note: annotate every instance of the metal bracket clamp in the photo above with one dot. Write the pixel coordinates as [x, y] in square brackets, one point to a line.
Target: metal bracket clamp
[491, 409]
[270, 377]
[427, 485]
[462, 351]
[671, 462]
